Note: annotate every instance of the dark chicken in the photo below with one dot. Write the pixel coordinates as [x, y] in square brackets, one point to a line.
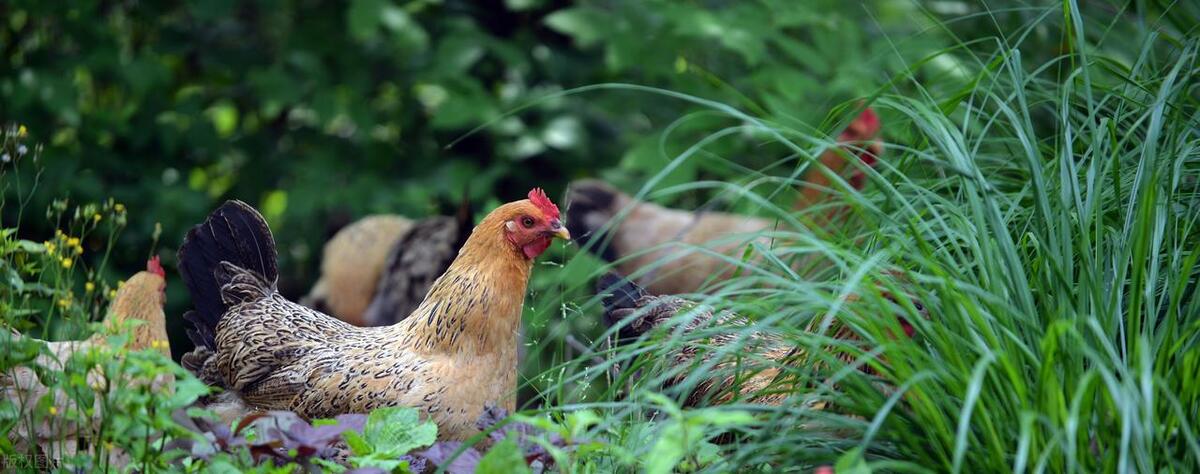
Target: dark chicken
[759, 372]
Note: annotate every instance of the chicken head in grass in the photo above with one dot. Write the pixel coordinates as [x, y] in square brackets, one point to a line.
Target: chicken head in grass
[455, 353]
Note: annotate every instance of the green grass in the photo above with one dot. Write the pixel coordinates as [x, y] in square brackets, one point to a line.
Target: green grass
[1038, 196]
[1045, 213]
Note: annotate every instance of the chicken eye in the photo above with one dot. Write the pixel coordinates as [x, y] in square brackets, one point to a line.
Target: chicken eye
[527, 222]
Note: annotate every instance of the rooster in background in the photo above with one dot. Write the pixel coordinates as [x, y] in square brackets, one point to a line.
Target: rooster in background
[140, 299]
[638, 240]
[758, 375]
[376, 271]
[455, 353]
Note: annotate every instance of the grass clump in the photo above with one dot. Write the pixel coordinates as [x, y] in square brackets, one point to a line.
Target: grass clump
[1045, 213]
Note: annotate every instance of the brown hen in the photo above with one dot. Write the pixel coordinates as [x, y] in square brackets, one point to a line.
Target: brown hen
[636, 235]
[139, 299]
[455, 353]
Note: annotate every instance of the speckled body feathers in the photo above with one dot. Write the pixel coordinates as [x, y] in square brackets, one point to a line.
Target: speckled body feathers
[456, 352]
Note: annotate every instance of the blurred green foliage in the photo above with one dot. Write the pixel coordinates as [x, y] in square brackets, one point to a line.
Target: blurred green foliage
[321, 112]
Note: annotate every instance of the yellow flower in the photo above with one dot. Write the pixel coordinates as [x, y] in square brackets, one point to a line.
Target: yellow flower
[50, 247]
[119, 207]
[112, 294]
[22, 131]
[66, 262]
[53, 411]
[96, 217]
[89, 287]
[108, 445]
[120, 283]
[154, 344]
[64, 302]
[58, 232]
[73, 242]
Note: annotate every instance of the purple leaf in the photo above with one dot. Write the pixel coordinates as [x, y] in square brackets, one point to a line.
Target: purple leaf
[440, 455]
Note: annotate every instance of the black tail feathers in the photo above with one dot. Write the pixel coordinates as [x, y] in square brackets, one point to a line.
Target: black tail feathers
[234, 233]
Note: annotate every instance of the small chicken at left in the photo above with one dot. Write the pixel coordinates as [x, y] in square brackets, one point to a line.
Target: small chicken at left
[140, 299]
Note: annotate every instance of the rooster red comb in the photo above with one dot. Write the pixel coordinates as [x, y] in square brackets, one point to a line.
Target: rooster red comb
[543, 203]
[155, 266]
[864, 127]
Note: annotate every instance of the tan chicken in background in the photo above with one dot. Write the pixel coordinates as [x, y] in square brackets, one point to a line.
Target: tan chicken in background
[140, 299]
[351, 264]
[638, 240]
[455, 353]
[375, 271]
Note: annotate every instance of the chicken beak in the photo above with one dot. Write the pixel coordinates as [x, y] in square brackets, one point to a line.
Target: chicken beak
[557, 230]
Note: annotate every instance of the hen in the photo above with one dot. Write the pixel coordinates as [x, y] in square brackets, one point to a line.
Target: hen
[413, 264]
[140, 299]
[759, 371]
[640, 238]
[455, 353]
[376, 271]
[351, 264]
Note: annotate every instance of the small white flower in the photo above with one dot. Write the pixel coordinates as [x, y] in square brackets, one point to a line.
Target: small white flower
[21, 150]
[5, 158]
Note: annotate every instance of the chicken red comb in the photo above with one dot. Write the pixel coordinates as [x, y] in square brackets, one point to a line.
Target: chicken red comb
[155, 266]
[864, 127]
[543, 203]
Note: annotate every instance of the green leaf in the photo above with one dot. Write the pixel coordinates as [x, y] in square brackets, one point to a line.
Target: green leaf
[274, 205]
[410, 37]
[9, 410]
[394, 431]
[358, 445]
[188, 390]
[505, 457]
[363, 17]
[647, 157]
[29, 246]
[585, 25]
[852, 462]
[578, 422]
[520, 5]
[386, 462]
[719, 418]
[224, 117]
[10, 277]
[669, 449]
